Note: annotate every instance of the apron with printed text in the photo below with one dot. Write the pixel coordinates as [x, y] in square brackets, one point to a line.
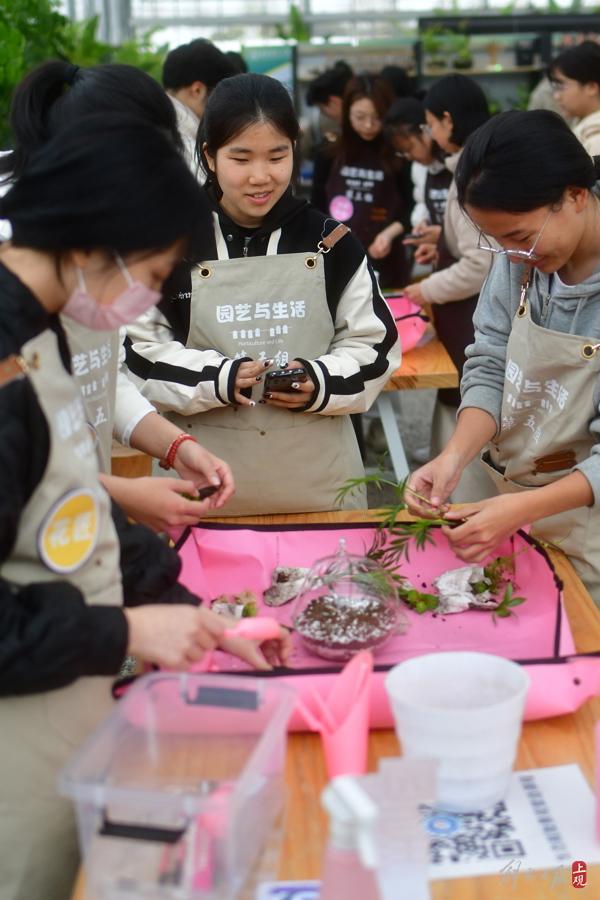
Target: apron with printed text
[368, 199]
[271, 307]
[94, 365]
[547, 407]
[65, 534]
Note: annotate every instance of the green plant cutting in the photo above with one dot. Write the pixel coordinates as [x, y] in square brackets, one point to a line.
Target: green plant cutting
[395, 537]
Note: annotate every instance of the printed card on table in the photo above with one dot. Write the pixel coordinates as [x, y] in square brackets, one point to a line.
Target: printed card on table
[546, 823]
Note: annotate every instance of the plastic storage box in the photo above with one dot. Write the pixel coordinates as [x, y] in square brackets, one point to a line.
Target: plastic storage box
[179, 794]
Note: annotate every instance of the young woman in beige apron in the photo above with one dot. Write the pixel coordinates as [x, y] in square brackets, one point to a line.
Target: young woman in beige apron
[530, 388]
[275, 284]
[51, 96]
[63, 631]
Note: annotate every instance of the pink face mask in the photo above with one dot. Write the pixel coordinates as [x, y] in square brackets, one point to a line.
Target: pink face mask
[125, 309]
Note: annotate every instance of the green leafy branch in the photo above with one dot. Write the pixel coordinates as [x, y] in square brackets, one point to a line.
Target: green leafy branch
[393, 538]
[505, 607]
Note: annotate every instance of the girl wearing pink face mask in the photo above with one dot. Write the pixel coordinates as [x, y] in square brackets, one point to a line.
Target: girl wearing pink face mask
[51, 96]
[95, 232]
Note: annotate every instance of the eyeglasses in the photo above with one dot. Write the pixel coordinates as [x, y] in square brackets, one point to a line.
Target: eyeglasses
[558, 86]
[526, 255]
[426, 129]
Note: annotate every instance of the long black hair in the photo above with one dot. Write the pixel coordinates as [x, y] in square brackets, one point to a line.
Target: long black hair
[107, 181]
[56, 93]
[462, 97]
[519, 161]
[241, 101]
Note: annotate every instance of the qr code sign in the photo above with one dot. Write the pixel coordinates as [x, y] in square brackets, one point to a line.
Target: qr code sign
[464, 837]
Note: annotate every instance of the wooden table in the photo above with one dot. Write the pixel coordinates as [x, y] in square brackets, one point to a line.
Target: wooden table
[549, 742]
[425, 366]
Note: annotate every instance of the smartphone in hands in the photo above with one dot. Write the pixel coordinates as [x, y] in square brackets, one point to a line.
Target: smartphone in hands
[281, 380]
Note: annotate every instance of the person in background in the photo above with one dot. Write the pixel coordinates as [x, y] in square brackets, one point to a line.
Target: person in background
[530, 385]
[47, 99]
[455, 106]
[399, 80]
[327, 90]
[274, 285]
[190, 72]
[575, 77]
[237, 61]
[361, 182]
[406, 128]
[94, 232]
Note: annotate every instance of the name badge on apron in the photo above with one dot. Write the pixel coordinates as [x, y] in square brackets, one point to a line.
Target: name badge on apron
[69, 531]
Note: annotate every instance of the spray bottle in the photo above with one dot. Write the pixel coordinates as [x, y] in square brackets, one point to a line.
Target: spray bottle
[351, 855]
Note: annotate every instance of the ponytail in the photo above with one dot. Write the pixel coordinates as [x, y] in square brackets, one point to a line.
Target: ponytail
[58, 92]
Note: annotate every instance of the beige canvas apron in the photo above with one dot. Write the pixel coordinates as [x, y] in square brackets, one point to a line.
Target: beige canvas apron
[547, 407]
[94, 365]
[65, 533]
[271, 307]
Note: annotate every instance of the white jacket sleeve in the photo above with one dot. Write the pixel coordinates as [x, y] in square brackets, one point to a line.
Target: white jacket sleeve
[465, 277]
[420, 213]
[130, 405]
[174, 377]
[364, 352]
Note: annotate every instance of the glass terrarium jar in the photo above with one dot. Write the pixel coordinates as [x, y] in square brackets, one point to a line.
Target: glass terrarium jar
[346, 604]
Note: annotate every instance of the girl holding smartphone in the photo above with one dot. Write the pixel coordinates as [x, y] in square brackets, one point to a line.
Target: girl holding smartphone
[530, 386]
[275, 284]
[94, 234]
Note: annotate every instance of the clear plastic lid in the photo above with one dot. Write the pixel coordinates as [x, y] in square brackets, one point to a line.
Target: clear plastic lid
[346, 604]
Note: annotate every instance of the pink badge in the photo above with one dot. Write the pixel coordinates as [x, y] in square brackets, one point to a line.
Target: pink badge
[341, 208]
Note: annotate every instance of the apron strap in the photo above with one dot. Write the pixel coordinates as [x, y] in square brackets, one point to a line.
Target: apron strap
[525, 282]
[11, 368]
[334, 236]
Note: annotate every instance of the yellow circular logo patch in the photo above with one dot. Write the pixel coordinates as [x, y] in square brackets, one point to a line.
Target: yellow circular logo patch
[69, 532]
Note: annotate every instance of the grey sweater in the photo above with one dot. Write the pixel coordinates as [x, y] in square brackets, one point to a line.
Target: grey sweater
[573, 312]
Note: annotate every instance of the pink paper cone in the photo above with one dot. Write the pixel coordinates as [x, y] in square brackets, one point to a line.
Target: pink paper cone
[346, 748]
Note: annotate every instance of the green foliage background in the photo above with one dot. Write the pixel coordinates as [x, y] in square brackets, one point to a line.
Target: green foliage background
[32, 31]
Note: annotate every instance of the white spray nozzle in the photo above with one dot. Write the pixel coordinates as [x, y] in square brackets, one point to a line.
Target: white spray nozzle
[353, 816]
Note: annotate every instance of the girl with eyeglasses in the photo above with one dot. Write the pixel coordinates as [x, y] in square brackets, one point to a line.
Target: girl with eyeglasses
[360, 181]
[575, 79]
[411, 138]
[530, 387]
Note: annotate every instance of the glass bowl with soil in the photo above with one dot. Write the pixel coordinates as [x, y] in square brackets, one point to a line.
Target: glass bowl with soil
[346, 604]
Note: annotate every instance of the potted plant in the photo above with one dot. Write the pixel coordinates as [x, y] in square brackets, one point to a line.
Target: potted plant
[461, 52]
[434, 45]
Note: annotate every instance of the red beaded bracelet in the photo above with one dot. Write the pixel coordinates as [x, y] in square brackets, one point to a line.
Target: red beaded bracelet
[167, 462]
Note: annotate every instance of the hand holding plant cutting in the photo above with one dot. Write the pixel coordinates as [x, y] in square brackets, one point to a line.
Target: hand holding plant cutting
[474, 587]
[485, 524]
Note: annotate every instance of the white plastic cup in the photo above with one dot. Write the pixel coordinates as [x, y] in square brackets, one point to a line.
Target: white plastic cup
[465, 711]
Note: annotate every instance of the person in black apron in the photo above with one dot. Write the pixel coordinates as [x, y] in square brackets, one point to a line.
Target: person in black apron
[454, 107]
[49, 97]
[276, 284]
[366, 187]
[79, 586]
[410, 137]
[530, 386]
